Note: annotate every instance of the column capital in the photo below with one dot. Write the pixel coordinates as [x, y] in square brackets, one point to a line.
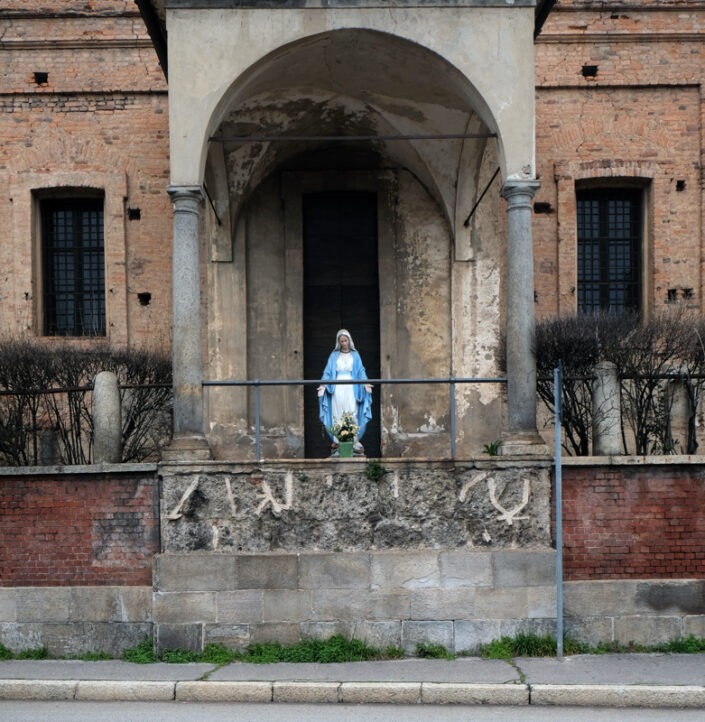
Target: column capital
[187, 194]
[517, 191]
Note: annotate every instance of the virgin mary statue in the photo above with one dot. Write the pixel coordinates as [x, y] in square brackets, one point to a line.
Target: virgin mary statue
[334, 400]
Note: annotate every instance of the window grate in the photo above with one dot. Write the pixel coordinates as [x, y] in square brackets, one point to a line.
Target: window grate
[73, 267]
[609, 250]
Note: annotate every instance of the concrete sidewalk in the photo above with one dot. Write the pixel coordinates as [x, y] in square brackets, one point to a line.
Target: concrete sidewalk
[616, 680]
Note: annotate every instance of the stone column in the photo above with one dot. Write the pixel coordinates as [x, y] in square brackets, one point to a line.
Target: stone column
[107, 419]
[522, 436]
[606, 411]
[187, 355]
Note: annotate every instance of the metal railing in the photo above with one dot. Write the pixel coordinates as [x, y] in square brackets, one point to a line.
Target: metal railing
[257, 384]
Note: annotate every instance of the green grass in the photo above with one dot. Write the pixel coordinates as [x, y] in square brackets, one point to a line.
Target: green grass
[433, 651]
[334, 649]
[38, 653]
[5, 653]
[143, 653]
[340, 649]
[529, 645]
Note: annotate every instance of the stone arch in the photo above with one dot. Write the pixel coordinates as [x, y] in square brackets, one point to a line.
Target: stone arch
[351, 81]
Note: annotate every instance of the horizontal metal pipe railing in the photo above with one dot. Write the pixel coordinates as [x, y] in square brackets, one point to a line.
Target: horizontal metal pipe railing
[451, 381]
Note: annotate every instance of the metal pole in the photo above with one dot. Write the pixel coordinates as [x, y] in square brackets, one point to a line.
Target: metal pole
[258, 442]
[557, 421]
[452, 419]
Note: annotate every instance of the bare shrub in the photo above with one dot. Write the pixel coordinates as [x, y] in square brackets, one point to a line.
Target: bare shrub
[580, 342]
[30, 374]
[646, 354]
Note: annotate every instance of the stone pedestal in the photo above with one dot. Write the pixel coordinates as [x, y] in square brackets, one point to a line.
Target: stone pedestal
[606, 411]
[107, 419]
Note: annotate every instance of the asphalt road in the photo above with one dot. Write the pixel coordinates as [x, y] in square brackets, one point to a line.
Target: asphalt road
[181, 712]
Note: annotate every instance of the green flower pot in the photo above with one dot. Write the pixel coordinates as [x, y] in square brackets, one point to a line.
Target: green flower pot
[345, 449]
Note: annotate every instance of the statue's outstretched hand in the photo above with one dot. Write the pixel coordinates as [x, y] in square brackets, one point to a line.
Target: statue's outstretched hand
[321, 390]
[368, 388]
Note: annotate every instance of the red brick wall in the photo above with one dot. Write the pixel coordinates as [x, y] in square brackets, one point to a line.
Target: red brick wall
[85, 529]
[634, 522]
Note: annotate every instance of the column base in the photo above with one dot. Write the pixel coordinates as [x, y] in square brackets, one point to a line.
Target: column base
[184, 447]
[530, 444]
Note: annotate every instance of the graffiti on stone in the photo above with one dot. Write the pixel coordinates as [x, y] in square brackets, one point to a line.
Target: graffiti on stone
[248, 507]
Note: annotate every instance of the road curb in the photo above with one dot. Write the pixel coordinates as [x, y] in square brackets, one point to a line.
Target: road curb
[618, 695]
[123, 691]
[330, 692]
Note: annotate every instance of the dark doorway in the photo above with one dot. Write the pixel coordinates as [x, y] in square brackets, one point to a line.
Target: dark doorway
[341, 290]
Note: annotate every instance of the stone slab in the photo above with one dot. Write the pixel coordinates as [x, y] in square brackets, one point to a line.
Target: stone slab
[413, 633]
[267, 571]
[43, 604]
[223, 691]
[242, 606]
[183, 607]
[645, 629]
[38, 690]
[306, 692]
[380, 692]
[613, 695]
[122, 691]
[69, 669]
[194, 572]
[405, 570]
[465, 569]
[287, 605]
[334, 571]
[484, 671]
[458, 693]
[623, 669]
[523, 568]
[470, 633]
[8, 606]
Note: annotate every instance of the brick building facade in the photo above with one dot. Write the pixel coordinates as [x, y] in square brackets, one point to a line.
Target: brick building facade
[85, 144]
[84, 130]
[619, 108]
[84, 113]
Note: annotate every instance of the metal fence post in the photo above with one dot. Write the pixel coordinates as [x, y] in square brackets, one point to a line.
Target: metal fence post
[452, 418]
[557, 422]
[258, 440]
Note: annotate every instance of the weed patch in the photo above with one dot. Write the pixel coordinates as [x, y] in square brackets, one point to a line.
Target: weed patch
[433, 651]
[143, 653]
[529, 645]
[38, 653]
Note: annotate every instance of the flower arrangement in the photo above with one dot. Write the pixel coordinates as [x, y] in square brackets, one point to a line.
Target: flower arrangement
[346, 429]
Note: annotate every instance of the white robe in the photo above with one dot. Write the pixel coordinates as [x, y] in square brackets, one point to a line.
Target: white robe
[343, 400]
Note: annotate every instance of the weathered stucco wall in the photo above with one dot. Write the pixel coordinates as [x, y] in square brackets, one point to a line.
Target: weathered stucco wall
[492, 47]
[255, 316]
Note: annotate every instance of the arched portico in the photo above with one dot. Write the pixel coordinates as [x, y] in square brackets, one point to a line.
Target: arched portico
[338, 73]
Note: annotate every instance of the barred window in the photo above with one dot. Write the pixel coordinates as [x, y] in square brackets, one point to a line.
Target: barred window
[73, 267]
[609, 250]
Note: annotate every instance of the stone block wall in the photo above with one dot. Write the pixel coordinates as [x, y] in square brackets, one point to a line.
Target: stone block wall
[457, 598]
[90, 525]
[633, 520]
[642, 611]
[75, 620]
